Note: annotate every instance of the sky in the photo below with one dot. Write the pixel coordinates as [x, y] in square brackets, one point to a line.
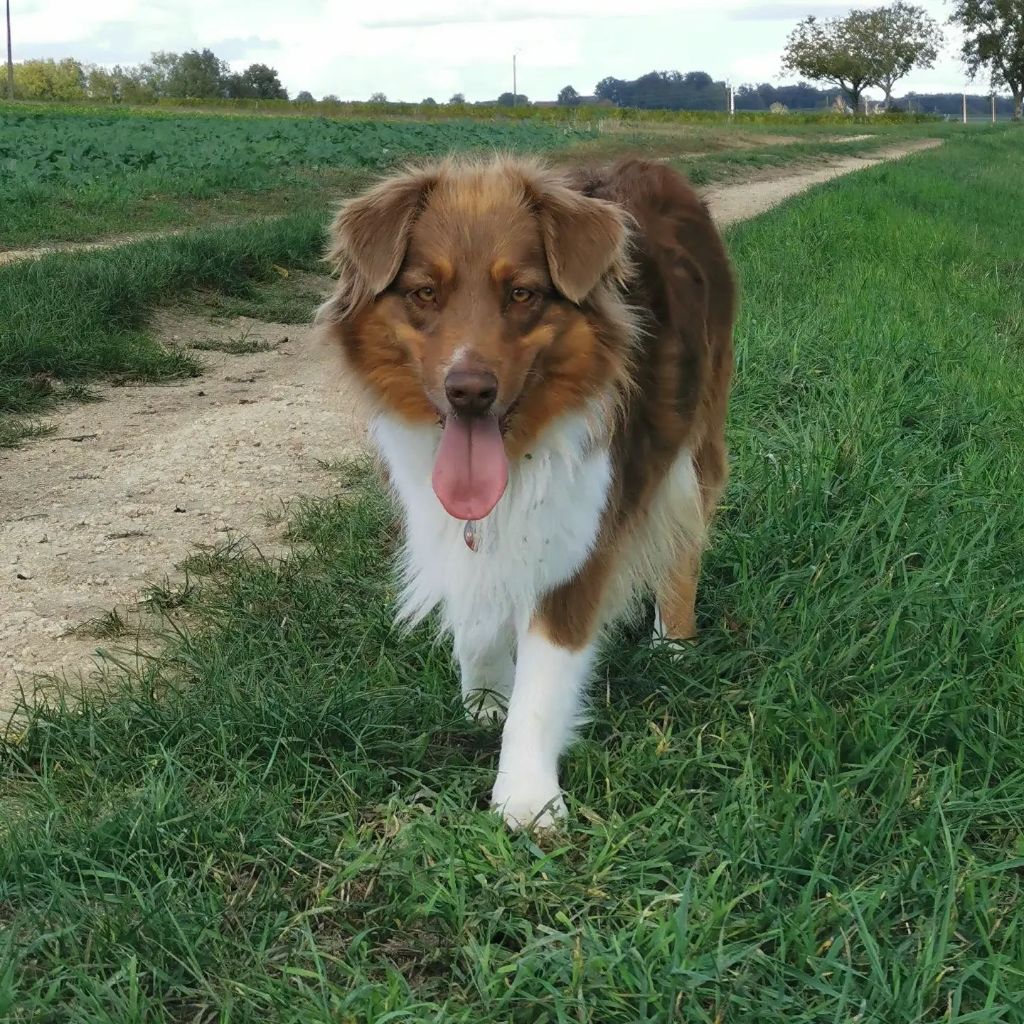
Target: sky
[411, 49]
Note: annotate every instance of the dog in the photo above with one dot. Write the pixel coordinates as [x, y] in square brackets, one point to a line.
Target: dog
[547, 356]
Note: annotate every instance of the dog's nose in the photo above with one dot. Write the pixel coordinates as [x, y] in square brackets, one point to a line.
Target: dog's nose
[472, 392]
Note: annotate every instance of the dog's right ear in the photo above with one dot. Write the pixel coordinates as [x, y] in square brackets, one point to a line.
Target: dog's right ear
[370, 234]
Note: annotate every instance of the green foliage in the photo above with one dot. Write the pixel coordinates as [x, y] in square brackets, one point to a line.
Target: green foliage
[49, 80]
[814, 815]
[835, 50]
[195, 74]
[900, 37]
[57, 161]
[257, 81]
[665, 90]
[994, 42]
[82, 149]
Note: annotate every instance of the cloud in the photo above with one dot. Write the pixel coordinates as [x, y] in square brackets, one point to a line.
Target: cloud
[788, 11]
[467, 18]
[238, 49]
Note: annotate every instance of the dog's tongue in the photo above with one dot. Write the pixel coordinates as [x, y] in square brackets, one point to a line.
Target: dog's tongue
[471, 470]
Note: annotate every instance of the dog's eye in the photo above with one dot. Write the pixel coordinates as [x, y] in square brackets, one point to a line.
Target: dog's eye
[521, 295]
[425, 294]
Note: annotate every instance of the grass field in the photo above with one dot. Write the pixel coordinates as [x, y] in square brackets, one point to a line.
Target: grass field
[817, 815]
[71, 174]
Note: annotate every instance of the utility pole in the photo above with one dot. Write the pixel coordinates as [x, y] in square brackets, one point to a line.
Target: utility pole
[10, 59]
[993, 108]
[965, 106]
[515, 89]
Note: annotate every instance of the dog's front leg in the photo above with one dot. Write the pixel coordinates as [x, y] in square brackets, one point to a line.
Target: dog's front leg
[487, 670]
[550, 680]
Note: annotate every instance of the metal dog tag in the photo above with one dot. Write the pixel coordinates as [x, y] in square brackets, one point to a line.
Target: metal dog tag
[469, 535]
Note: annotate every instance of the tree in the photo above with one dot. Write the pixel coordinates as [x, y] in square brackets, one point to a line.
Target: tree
[197, 74]
[305, 97]
[569, 97]
[154, 76]
[610, 89]
[665, 90]
[994, 42]
[257, 82]
[458, 98]
[834, 51]
[101, 84]
[378, 97]
[49, 80]
[506, 99]
[428, 102]
[331, 98]
[131, 85]
[900, 38]
[698, 80]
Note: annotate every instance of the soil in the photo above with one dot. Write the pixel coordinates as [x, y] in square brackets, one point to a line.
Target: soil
[732, 203]
[125, 489]
[109, 242]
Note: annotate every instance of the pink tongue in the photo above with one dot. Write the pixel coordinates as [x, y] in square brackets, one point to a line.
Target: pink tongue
[471, 470]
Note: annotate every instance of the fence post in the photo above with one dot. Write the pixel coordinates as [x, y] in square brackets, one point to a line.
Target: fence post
[965, 108]
[993, 108]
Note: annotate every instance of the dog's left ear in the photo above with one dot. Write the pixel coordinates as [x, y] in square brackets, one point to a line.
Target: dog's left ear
[370, 235]
[585, 239]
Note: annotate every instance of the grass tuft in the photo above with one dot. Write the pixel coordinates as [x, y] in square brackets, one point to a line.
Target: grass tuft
[74, 318]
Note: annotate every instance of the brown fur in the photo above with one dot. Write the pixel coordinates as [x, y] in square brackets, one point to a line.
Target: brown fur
[632, 300]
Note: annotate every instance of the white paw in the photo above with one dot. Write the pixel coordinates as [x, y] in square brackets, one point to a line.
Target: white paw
[532, 803]
[484, 705]
[672, 647]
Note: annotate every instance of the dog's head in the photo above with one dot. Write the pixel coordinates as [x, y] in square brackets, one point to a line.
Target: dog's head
[467, 296]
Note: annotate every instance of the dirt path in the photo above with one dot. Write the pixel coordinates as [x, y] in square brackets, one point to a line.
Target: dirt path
[731, 203]
[109, 242]
[125, 489]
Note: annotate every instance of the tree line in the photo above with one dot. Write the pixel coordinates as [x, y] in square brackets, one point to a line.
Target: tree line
[875, 47]
[195, 74]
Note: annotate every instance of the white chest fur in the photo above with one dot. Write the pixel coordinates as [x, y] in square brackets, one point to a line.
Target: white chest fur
[538, 536]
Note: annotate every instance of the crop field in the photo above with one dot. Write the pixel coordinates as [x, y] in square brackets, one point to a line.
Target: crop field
[815, 814]
[77, 174]
[67, 175]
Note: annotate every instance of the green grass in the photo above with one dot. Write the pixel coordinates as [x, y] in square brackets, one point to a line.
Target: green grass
[76, 317]
[817, 815]
[290, 299]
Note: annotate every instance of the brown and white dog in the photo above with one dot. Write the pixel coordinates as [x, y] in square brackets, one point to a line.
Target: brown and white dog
[547, 357]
